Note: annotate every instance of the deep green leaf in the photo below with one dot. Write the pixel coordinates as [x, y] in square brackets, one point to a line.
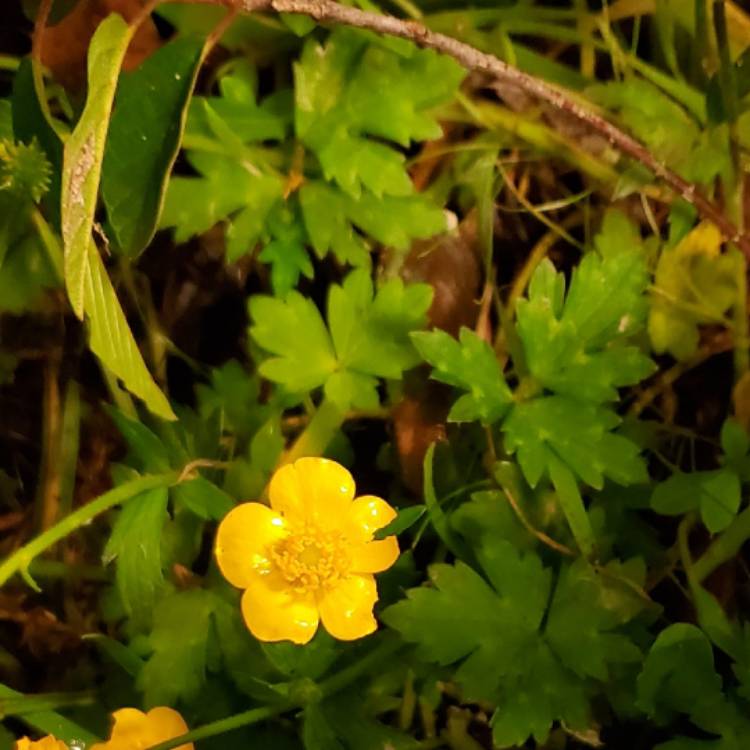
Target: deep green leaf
[204, 499]
[144, 137]
[405, 519]
[146, 448]
[179, 642]
[678, 675]
[30, 124]
[578, 347]
[135, 545]
[715, 493]
[462, 618]
[577, 433]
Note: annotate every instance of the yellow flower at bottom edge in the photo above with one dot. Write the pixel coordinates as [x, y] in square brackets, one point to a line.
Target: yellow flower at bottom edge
[45, 743]
[310, 556]
[133, 729]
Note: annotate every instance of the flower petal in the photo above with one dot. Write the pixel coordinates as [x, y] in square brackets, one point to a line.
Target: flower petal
[312, 490]
[45, 743]
[365, 516]
[374, 557]
[165, 723]
[346, 610]
[275, 612]
[134, 729]
[242, 540]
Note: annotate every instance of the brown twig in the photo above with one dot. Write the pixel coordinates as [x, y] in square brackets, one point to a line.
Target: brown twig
[473, 59]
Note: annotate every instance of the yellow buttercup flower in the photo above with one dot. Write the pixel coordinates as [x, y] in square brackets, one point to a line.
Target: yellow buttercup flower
[310, 556]
[45, 743]
[135, 730]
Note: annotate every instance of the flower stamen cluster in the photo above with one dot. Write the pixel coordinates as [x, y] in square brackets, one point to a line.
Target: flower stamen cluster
[311, 559]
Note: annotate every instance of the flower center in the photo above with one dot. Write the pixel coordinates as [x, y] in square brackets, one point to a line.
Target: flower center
[311, 559]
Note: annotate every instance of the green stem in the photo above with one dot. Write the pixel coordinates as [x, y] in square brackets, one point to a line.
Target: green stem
[724, 547]
[50, 242]
[379, 655]
[60, 570]
[215, 728]
[740, 322]
[9, 62]
[34, 704]
[49, 722]
[20, 560]
[69, 444]
[318, 434]
[255, 715]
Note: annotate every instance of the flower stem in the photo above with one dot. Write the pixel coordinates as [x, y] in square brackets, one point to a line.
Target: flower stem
[45, 720]
[328, 687]
[20, 560]
[346, 676]
[318, 434]
[246, 718]
[724, 547]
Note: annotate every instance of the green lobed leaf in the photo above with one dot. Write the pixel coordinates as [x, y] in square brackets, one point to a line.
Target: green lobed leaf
[471, 365]
[342, 723]
[83, 154]
[233, 190]
[294, 331]
[112, 340]
[369, 337]
[678, 675]
[349, 90]
[144, 138]
[179, 643]
[286, 251]
[577, 347]
[370, 329]
[578, 434]
[717, 494]
[135, 545]
[581, 619]
[539, 674]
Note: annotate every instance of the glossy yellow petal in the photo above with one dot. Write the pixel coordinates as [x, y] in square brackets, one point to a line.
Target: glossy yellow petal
[45, 743]
[273, 611]
[242, 541]
[374, 557]
[365, 516]
[313, 490]
[135, 730]
[346, 609]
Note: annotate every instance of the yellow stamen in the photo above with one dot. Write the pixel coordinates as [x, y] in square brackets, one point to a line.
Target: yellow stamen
[311, 559]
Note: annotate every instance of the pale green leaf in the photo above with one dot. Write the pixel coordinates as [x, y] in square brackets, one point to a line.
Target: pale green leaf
[471, 365]
[112, 340]
[84, 151]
